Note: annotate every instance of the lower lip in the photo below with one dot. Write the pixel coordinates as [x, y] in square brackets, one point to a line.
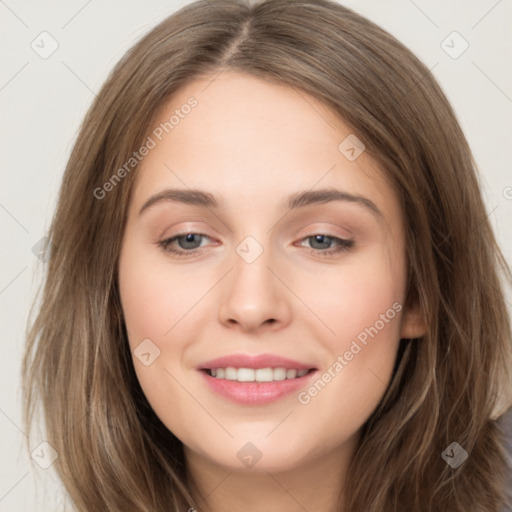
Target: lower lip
[255, 393]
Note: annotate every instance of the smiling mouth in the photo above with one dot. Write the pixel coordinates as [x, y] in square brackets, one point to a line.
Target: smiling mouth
[257, 374]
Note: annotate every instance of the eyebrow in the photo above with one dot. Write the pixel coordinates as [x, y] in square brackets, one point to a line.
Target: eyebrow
[302, 199]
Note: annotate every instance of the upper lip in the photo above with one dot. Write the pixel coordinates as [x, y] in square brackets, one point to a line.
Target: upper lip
[254, 361]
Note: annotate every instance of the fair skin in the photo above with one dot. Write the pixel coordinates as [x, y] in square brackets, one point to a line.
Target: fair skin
[253, 143]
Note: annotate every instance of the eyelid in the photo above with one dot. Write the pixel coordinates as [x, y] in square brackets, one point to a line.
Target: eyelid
[331, 229]
[184, 227]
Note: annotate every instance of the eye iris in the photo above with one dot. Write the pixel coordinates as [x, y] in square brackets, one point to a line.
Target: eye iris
[322, 239]
[189, 238]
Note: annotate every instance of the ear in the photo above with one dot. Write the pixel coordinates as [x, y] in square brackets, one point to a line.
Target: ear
[413, 325]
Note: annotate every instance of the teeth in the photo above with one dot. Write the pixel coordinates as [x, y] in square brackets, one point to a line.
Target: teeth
[256, 375]
[230, 373]
[278, 374]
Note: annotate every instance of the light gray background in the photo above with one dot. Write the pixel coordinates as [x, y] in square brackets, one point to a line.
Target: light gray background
[44, 100]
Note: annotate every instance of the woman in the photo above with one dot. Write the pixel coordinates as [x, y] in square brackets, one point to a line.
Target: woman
[259, 369]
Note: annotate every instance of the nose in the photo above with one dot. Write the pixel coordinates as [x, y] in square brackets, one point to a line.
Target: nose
[253, 297]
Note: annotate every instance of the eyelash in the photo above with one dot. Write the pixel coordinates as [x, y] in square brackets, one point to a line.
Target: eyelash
[343, 245]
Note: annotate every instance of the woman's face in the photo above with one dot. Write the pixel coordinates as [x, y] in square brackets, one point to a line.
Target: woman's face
[295, 251]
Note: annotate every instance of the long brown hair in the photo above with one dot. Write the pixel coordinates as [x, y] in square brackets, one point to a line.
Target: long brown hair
[450, 386]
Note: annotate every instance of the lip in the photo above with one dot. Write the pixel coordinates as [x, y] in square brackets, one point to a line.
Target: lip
[255, 393]
[254, 362]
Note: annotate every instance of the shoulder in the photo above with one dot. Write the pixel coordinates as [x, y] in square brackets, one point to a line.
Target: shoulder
[506, 424]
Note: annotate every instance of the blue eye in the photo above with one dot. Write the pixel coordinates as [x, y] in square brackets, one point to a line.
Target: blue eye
[190, 243]
[323, 240]
[187, 241]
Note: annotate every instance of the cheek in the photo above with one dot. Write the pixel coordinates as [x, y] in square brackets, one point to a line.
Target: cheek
[360, 308]
[367, 327]
[352, 297]
[155, 297]
[166, 304]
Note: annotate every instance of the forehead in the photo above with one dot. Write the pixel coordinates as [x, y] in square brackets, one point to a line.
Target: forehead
[247, 139]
